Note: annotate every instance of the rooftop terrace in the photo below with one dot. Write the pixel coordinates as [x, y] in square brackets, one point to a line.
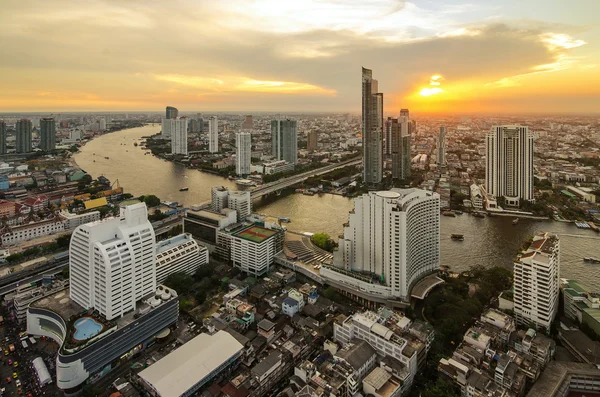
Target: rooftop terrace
[256, 234]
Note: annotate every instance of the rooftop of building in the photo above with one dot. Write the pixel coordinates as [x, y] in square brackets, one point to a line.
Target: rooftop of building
[356, 353]
[585, 346]
[70, 311]
[256, 234]
[558, 373]
[267, 363]
[173, 242]
[180, 370]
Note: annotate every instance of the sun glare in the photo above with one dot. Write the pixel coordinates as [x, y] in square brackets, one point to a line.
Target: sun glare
[430, 91]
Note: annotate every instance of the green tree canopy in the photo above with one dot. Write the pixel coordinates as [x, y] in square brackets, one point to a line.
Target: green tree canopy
[323, 241]
[151, 200]
[180, 282]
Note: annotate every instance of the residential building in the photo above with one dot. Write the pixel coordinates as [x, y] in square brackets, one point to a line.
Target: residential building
[537, 282]
[166, 129]
[243, 153]
[213, 134]
[2, 137]
[90, 352]
[372, 128]
[189, 367]
[7, 208]
[293, 303]
[178, 128]
[253, 248]
[47, 134]
[4, 182]
[284, 140]
[73, 220]
[582, 194]
[240, 202]
[312, 143]
[112, 262]
[171, 112]
[509, 163]
[441, 146]
[17, 234]
[179, 254]
[272, 167]
[392, 235]
[24, 138]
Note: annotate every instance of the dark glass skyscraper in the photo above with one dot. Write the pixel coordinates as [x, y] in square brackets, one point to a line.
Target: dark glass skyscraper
[372, 128]
[2, 137]
[172, 112]
[284, 140]
[23, 129]
[47, 134]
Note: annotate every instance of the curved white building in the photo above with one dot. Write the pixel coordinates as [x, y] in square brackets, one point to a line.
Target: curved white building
[391, 240]
[179, 254]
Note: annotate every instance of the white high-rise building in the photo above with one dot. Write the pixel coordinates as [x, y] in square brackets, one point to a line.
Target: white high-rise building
[241, 202]
[442, 146]
[112, 262]
[537, 281]
[243, 153]
[509, 163]
[213, 134]
[166, 129]
[179, 133]
[393, 235]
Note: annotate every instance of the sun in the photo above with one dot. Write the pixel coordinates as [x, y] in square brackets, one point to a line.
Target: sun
[430, 91]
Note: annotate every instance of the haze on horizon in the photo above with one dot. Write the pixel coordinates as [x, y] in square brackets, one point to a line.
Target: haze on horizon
[431, 56]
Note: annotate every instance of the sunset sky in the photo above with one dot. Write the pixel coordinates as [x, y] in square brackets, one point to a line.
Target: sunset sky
[451, 56]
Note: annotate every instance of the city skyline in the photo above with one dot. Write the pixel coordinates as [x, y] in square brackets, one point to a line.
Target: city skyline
[431, 57]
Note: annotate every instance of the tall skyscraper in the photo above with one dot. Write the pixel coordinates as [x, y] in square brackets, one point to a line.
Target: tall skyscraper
[399, 132]
[284, 140]
[102, 124]
[241, 202]
[248, 123]
[213, 134]
[47, 134]
[312, 141]
[219, 198]
[372, 128]
[243, 153]
[112, 262]
[509, 163]
[23, 131]
[2, 137]
[393, 235]
[537, 282]
[442, 146]
[404, 113]
[179, 134]
[171, 112]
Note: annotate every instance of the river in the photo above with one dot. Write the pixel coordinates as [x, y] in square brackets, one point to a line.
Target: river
[488, 241]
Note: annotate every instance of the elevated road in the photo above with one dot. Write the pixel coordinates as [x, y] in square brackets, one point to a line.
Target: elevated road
[10, 284]
[294, 179]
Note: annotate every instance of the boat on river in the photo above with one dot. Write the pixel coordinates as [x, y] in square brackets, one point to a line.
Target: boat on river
[591, 259]
[184, 189]
[284, 219]
[478, 214]
[515, 221]
[449, 213]
[457, 237]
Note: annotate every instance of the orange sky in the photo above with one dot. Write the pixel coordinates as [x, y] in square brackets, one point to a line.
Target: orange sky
[268, 55]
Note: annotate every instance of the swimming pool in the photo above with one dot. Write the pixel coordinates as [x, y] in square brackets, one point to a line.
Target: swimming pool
[86, 328]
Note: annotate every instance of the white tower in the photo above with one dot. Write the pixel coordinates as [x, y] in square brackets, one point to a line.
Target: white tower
[179, 133]
[241, 202]
[243, 150]
[213, 134]
[112, 263]
[509, 163]
[394, 235]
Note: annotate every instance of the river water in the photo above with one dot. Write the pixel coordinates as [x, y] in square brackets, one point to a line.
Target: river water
[488, 241]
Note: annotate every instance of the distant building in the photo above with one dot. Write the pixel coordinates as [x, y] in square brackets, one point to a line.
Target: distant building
[179, 254]
[4, 182]
[178, 128]
[399, 132]
[213, 134]
[171, 112]
[219, 198]
[284, 140]
[74, 220]
[248, 123]
[476, 196]
[2, 137]
[509, 163]
[441, 157]
[273, 167]
[372, 128]
[537, 282]
[312, 141]
[16, 234]
[112, 262]
[24, 138]
[205, 224]
[253, 248]
[243, 150]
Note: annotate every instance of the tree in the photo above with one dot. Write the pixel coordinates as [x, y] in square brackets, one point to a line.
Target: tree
[63, 241]
[200, 297]
[175, 230]
[157, 216]
[65, 273]
[180, 282]
[323, 241]
[203, 272]
[441, 388]
[151, 200]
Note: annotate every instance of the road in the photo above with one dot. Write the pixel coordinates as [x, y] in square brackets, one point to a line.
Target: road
[12, 286]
